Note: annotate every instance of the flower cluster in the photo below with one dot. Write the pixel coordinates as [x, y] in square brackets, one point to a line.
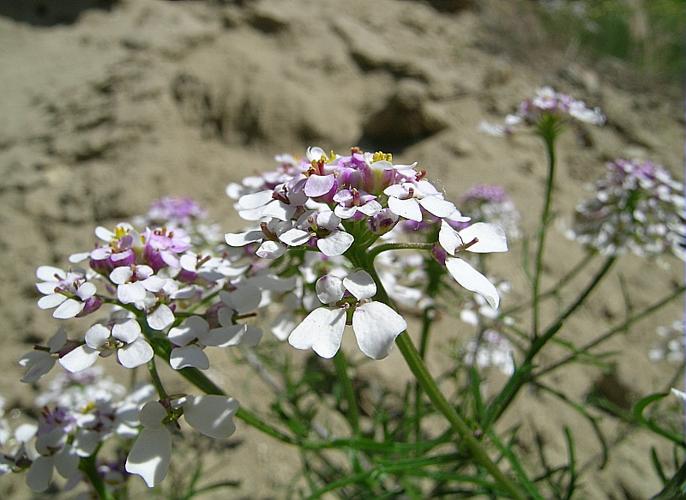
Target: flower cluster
[79, 413]
[156, 289]
[637, 208]
[545, 103]
[335, 206]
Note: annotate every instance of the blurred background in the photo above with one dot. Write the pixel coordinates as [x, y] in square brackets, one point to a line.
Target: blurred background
[107, 105]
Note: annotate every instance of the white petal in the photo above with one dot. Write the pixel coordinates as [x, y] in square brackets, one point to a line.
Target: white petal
[337, 243]
[294, 237]
[271, 250]
[449, 239]
[149, 457]
[40, 474]
[68, 309]
[490, 238]
[121, 275]
[86, 442]
[319, 185]
[49, 273]
[127, 332]
[360, 284]
[321, 330]
[52, 300]
[226, 336]
[104, 234]
[376, 326]
[189, 356]
[279, 210]
[345, 212]
[47, 287]
[66, 462]
[79, 359]
[79, 257]
[396, 191]
[211, 415]
[437, 206]
[252, 336]
[255, 200]
[130, 293]
[329, 289]
[472, 280]
[190, 329]
[25, 432]
[135, 354]
[86, 291]
[58, 340]
[244, 299]
[152, 414]
[408, 209]
[328, 220]
[37, 364]
[154, 284]
[97, 336]
[371, 208]
[314, 153]
[242, 239]
[161, 317]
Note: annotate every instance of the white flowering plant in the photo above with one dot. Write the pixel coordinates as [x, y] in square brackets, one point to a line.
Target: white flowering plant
[333, 242]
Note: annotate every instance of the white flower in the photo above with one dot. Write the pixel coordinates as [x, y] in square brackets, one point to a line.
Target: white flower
[274, 238]
[407, 199]
[211, 415]
[124, 337]
[479, 238]
[375, 324]
[39, 362]
[67, 291]
[134, 282]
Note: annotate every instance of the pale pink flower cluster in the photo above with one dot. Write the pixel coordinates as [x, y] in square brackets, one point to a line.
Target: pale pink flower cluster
[545, 103]
[637, 208]
[338, 206]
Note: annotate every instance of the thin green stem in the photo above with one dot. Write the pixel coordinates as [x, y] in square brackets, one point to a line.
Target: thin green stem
[555, 289]
[523, 374]
[88, 467]
[341, 365]
[420, 371]
[156, 381]
[549, 140]
[613, 331]
[428, 384]
[427, 320]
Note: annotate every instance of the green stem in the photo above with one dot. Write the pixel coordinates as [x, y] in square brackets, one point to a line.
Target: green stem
[427, 320]
[87, 466]
[420, 371]
[341, 365]
[428, 384]
[549, 140]
[554, 290]
[613, 331]
[156, 381]
[523, 374]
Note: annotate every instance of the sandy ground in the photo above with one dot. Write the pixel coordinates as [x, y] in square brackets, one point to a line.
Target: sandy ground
[105, 109]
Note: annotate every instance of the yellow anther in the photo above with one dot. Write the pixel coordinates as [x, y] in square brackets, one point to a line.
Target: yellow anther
[120, 232]
[381, 156]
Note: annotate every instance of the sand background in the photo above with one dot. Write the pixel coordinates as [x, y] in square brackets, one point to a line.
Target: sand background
[107, 108]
